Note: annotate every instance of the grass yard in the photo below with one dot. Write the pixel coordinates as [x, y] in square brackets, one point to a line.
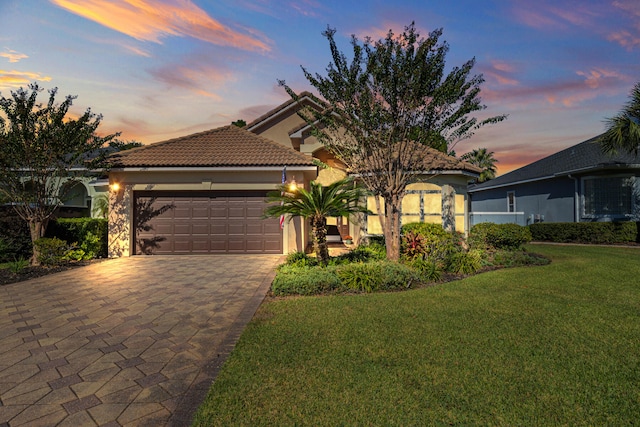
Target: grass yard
[551, 345]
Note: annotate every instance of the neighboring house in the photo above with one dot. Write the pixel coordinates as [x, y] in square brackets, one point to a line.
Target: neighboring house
[204, 193]
[578, 184]
[77, 195]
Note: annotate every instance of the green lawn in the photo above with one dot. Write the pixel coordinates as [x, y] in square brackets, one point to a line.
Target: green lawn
[551, 345]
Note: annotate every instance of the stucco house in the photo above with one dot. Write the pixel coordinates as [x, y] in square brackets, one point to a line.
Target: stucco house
[578, 184]
[423, 202]
[204, 193]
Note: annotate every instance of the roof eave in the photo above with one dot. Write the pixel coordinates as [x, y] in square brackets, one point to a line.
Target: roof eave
[213, 168]
[599, 167]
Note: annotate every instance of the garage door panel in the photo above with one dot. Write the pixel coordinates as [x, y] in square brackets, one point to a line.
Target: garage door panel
[200, 212]
[200, 246]
[254, 229]
[200, 229]
[206, 222]
[236, 212]
[181, 228]
[161, 229]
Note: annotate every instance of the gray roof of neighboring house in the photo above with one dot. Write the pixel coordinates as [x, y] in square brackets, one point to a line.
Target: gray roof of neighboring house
[581, 158]
[227, 146]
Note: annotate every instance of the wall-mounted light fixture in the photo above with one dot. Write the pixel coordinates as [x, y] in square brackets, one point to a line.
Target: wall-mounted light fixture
[114, 187]
[292, 186]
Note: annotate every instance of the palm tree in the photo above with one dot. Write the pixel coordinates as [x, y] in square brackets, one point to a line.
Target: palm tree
[101, 206]
[623, 130]
[341, 198]
[484, 160]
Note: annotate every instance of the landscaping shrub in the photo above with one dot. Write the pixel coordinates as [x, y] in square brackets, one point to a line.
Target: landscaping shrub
[429, 241]
[376, 276]
[465, 262]
[300, 259]
[87, 236]
[428, 271]
[52, 251]
[363, 253]
[504, 258]
[14, 232]
[488, 235]
[375, 246]
[17, 265]
[300, 280]
[586, 232]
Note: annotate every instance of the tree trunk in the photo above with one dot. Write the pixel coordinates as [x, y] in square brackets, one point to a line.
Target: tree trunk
[36, 229]
[391, 226]
[319, 230]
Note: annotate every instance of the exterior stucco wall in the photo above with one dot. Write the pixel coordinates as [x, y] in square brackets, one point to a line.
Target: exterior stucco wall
[279, 131]
[424, 203]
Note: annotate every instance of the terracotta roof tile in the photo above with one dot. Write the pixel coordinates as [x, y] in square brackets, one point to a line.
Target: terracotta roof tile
[418, 156]
[224, 146]
[437, 160]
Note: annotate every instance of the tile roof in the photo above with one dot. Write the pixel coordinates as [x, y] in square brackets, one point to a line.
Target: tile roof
[586, 156]
[225, 146]
[435, 160]
[418, 156]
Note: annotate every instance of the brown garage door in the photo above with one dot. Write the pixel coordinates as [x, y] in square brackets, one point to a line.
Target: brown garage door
[204, 222]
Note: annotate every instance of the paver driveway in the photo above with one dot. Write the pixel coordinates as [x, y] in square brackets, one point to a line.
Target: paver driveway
[132, 341]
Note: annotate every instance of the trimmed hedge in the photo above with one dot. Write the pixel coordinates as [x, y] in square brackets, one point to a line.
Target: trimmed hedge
[88, 236]
[488, 235]
[586, 232]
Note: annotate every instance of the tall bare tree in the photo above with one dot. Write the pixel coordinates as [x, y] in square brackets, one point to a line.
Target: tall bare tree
[385, 105]
[40, 149]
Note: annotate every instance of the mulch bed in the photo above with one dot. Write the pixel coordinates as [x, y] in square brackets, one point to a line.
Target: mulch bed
[7, 276]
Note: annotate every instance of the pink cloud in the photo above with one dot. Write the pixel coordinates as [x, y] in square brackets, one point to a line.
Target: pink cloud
[152, 20]
[625, 39]
[306, 7]
[193, 76]
[568, 93]
[501, 72]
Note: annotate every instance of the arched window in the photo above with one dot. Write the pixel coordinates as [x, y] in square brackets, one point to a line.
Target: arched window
[74, 193]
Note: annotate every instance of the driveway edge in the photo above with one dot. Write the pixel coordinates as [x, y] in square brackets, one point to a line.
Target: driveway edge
[195, 395]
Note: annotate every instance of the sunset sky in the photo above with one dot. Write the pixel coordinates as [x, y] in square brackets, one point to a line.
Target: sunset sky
[161, 69]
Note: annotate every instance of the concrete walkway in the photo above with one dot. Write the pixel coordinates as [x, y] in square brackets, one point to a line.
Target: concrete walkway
[127, 342]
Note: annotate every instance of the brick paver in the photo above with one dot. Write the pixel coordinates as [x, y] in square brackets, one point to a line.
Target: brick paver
[125, 342]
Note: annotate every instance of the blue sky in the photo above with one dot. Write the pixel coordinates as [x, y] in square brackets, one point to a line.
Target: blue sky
[161, 69]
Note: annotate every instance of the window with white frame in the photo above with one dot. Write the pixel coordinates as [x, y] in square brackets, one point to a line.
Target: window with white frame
[608, 196]
[511, 201]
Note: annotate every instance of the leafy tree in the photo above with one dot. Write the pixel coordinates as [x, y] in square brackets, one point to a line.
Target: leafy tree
[623, 130]
[124, 145]
[40, 149]
[240, 123]
[341, 198]
[484, 160]
[385, 105]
